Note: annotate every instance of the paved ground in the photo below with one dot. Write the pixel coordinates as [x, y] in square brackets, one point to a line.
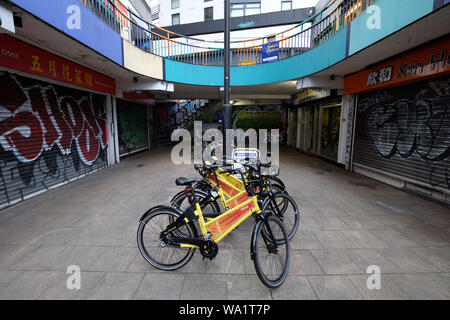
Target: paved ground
[348, 223]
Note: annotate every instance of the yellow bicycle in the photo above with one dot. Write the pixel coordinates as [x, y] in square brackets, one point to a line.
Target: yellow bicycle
[167, 237]
[229, 191]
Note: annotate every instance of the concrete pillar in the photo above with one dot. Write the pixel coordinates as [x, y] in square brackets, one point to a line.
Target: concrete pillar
[346, 131]
[113, 138]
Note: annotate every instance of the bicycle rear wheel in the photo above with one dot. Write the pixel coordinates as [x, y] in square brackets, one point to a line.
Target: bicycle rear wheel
[271, 251]
[154, 250]
[210, 207]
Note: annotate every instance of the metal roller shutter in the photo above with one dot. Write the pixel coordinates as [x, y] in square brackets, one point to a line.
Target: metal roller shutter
[133, 127]
[406, 131]
[49, 135]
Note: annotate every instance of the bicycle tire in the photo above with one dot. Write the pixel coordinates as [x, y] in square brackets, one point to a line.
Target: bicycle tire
[188, 229]
[214, 208]
[265, 245]
[289, 216]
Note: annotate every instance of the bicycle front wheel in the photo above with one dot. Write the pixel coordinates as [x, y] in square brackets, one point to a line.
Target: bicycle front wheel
[154, 250]
[285, 208]
[271, 251]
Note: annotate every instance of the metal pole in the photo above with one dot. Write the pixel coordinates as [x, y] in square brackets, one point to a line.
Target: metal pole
[227, 110]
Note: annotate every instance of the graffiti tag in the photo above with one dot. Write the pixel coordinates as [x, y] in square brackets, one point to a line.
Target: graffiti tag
[35, 120]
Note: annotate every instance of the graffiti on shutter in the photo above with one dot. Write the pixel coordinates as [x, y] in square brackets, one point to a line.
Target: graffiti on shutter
[406, 131]
[49, 135]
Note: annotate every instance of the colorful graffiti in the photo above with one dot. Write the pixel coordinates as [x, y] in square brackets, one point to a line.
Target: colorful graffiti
[48, 135]
[261, 117]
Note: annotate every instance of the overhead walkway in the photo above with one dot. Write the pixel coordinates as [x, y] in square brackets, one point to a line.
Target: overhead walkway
[324, 40]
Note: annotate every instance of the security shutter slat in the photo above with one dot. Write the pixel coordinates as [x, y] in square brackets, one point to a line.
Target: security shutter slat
[406, 131]
[39, 148]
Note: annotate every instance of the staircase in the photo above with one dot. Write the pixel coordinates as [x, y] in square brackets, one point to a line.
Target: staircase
[182, 118]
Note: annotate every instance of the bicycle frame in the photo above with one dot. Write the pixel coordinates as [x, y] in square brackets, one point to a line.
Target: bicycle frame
[230, 189]
[224, 224]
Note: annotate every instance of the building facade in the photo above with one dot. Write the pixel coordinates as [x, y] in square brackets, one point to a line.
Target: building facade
[402, 120]
[174, 12]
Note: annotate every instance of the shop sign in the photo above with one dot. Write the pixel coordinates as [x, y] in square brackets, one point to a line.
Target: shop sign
[18, 55]
[140, 96]
[248, 24]
[419, 64]
[271, 52]
[306, 95]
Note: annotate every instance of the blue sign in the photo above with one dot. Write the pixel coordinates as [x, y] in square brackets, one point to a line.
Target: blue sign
[271, 52]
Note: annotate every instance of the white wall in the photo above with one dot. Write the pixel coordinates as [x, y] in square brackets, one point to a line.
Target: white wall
[275, 5]
[192, 11]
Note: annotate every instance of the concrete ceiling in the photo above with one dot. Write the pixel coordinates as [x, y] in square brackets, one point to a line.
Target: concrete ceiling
[278, 91]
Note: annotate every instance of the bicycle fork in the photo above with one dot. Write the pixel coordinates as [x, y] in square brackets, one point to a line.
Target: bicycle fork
[270, 242]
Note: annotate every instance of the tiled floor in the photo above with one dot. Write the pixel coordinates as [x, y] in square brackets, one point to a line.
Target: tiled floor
[348, 223]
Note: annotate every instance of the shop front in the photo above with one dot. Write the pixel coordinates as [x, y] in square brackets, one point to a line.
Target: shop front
[318, 122]
[402, 131]
[134, 124]
[292, 127]
[53, 121]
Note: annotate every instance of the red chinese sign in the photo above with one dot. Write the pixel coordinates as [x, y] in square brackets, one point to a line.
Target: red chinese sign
[17, 55]
[419, 64]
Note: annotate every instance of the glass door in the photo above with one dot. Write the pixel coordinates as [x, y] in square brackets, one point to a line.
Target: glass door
[329, 127]
[292, 136]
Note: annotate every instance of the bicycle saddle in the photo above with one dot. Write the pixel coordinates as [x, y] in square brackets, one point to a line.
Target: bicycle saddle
[187, 181]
